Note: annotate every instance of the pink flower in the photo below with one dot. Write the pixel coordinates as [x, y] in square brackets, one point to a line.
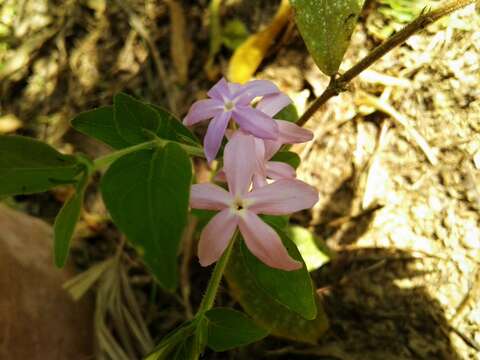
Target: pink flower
[289, 133]
[239, 208]
[231, 100]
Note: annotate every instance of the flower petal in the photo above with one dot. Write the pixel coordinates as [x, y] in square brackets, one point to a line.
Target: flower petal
[291, 133]
[209, 197]
[237, 162]
[216, 236]
[265, 243]
[273, 103]
[259, 180]
[282, 197]
[213, 138]
[256, 122]
[234, 87]
[202, 110]
[277, 170]
[255, 88]
[271, 148]
[220, 91]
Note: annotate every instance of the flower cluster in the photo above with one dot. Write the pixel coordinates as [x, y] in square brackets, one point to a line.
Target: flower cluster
[256, 184]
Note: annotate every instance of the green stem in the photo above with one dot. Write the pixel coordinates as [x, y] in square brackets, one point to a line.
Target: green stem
[108, 159]
[337, 85]
[209, 297]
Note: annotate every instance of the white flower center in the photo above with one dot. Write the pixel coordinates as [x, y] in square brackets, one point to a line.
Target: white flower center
[239, 206]
[229, 105]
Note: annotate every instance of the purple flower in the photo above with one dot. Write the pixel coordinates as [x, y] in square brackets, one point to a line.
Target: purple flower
[239, 208]
[289, 133]
[232, 101]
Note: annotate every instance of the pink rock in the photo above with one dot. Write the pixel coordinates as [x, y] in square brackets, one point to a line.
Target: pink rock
[38, 319]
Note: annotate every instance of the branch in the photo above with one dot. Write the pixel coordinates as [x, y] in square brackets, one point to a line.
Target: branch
[337, 85]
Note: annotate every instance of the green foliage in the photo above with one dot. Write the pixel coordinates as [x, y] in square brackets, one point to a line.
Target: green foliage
[29, 166]
[293, 289]
[228, 329]
[146, 193]
[308, 245]
[266, 308]
[404, 11]
[100, 124]
[288, 157]
[133, 117]
[326, 27]
[234, 33]
[288, 113]
[174, 341]
[171, 128]
[130, 122]
[66, 220]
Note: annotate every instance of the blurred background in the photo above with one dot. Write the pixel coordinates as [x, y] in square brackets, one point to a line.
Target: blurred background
[396, 159]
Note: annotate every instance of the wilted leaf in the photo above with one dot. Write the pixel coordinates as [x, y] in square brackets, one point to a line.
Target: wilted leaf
[326, 27]
[9, 123]
[248, 56]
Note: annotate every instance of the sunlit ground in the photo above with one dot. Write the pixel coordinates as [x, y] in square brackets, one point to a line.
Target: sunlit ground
[396, 158]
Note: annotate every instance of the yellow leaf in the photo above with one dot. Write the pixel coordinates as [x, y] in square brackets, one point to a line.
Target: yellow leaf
[248, 56]
[9, 123]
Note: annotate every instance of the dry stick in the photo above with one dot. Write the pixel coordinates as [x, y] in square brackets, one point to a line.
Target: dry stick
[137, 25]
[184, 270]
[403, 121]
[337, 85]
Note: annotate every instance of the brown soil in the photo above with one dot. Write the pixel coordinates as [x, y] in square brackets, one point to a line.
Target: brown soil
[406, 229]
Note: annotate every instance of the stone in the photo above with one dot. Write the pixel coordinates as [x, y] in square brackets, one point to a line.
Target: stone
[38, 319]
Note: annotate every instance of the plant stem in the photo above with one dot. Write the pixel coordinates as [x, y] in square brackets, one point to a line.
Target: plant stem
[209, 297]
[337, 85]
[108, 159]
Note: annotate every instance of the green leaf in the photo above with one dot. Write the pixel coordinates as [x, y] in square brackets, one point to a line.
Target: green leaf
[228, 329]
[185, 350]
[133, 117]
[100, 124]
[326, 27]
[29, 166]
[277, 222]
[171, 128]
[172, 341]
[288, 157]
[308, 245]
[66, 220]
[234, 33]
[146, 193]
[274, 298]
[288, 113]
[293, 289]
